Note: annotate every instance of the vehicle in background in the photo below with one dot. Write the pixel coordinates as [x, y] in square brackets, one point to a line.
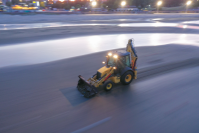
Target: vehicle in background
[19, 7]
[3, 8]
[128, 8]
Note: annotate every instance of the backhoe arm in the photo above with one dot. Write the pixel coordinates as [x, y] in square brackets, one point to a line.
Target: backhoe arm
[131, 49]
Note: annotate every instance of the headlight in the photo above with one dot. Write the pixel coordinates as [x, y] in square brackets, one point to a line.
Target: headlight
[115, 56]
[110, 54]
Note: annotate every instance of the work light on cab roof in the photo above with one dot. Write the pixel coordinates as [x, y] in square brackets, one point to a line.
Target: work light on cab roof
[110, 54]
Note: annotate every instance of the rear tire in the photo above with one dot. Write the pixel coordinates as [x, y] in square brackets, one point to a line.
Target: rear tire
[108, 85]
[127, 78]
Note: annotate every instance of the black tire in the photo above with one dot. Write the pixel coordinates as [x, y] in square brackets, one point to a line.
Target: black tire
[108, 85]
[127, 78]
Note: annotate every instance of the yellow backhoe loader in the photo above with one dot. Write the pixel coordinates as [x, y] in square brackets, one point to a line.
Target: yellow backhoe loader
[119, 67]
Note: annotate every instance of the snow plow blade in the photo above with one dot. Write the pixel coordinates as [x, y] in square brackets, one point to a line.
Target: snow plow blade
[86, 88]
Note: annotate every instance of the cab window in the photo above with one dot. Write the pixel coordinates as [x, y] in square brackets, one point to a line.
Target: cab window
[124, 61]
[127, 61]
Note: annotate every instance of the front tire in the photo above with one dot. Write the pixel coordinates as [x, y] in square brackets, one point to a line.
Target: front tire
[108, 85]
[127, 78]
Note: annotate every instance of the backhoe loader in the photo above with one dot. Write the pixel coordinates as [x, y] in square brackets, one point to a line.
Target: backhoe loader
[119, 67]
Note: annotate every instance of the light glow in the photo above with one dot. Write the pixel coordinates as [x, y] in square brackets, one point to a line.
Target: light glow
[115, 56]
[114, 67]
[110, 54]
[94, 3]
[94, 42]
[189, 2]
[184, 26]
[159, 3]
[103, 62]
[123, 3]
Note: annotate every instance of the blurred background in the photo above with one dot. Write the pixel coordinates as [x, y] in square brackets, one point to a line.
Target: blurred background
[46, 44]
[98, 6]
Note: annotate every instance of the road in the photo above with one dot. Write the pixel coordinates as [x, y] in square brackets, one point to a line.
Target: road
[39, 71]
[52, 50]
[21, 19]
[46, 100]
[33, 28]
[146, 23]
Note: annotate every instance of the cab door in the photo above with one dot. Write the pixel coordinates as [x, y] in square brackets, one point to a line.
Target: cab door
[124, 61]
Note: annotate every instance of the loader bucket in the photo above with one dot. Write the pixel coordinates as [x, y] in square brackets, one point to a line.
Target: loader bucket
[86, 88]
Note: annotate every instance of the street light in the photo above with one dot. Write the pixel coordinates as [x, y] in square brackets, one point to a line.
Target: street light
[149, 6]
[94, 3]
[187, 4]
[123, 3]
[158, 4]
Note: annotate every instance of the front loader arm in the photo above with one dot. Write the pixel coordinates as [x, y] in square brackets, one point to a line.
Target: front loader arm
[97, 83]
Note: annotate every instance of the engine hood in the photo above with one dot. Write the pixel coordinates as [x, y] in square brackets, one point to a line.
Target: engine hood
[102, 71]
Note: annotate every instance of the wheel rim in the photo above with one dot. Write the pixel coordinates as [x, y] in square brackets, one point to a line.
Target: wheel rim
[109, 86]
[128, 78]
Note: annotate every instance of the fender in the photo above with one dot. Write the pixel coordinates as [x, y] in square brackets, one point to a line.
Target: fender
[125, 70]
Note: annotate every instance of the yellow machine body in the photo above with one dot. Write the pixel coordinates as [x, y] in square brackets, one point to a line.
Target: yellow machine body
[110, 72]
[115, 79]
[104, 70]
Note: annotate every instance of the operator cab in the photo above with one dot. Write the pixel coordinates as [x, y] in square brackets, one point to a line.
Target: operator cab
[119, 59]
